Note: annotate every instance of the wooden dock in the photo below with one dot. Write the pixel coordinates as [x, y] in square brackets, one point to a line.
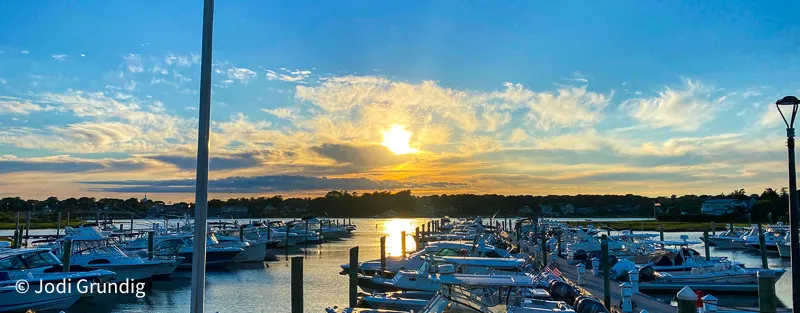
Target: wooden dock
[594, 287]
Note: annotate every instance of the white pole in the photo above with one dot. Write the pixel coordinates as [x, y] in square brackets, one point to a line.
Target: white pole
[201, 196]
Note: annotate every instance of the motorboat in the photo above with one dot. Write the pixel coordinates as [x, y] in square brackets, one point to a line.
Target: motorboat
[731, 278]
[253, 251]
[93, 250]
[325, 227]
[182, 245]
[773, 235]
[681, 258]
[732, 238]
[483, 248]
[41, 266]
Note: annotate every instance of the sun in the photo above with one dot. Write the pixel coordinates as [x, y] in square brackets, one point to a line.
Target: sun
[396, 140]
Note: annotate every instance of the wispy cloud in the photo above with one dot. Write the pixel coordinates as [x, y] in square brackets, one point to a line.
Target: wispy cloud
[59, 57]
[685, 109]
[134, 63]
[241, 74]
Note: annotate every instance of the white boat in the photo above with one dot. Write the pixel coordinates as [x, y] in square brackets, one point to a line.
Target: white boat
[181, 245]
[729, 279]
[730, 239]
[773, 235]
[92, 250]
[40, 266]
[252, 250]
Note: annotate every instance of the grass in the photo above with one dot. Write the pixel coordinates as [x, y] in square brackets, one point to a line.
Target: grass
[654, 225]
[38, 225]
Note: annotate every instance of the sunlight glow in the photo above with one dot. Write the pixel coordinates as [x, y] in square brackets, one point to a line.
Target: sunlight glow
[397, 140]
[392, 229]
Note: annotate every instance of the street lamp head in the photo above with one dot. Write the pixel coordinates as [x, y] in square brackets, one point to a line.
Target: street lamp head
[785, 102]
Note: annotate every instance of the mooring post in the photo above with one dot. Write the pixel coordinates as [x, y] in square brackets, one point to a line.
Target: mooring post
[559, 244]
[606, 276]
[630, 228]
[705, 245]
[766, 291]
[687, 300]
[595, 267]
[713, 228]
[762, 242]
[383, 257]
[542, 242]
[269, 233]
[626, 305]
[66, 254]
[353, 277]
[608, 231]
[150, 236]
[15, 243]
[27, 228]
[661, 233]
[241, 233]
[132, 223]
[581, 274]
[769, 216]
[416, 238]
[709, 304]
[297, 284]
[403, 243]
[633, 276]
[305, 238]
[58, 226]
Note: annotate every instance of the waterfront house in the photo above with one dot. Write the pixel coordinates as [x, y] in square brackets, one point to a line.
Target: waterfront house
[722, 206]
[234, 211]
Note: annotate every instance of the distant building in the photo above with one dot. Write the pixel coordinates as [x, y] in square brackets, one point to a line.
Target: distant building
[525, 211]
[722, 206]
[568, 209]
[585, 210]
[167, 210]
[234, 211]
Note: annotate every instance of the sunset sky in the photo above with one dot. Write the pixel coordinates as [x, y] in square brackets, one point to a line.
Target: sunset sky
[100, 98]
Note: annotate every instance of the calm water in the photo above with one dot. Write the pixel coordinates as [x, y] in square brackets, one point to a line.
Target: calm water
[265, 287]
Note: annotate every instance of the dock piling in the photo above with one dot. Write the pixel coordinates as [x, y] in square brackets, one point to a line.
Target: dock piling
[687, 300]
[762, 242]
[66, 253]
[630, 228]
[383, 257]
[766, 291]
[581, 274]
[297, 284]
[544, 248]
[709, 304]
[416, 237]
[713, 228]
[606, 268]
[403, 243]
[150, 245]
[58, 226]
[661, 233]
[15, 243]
[241, 233]
[353, 277]
[705, 245]
[559, 244]
[27, 228]
[626, 305]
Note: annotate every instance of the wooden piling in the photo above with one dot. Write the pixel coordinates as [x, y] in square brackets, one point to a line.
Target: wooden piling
[559, 243]
[66, 253]
[606, 268]
[762, 242]
[542, 241]
[687, 300]
[766, 291]
[630, 228]
[305, 236]
[150, 246]
[660, 233]
[27, 228]
[713, 228]
[353, 291]
[15, 241]
[132, 223]
[416, 238]
[241, 233]
[65, 232]
[297, 284]
[706, 246]
[403, 243]
[383, 257]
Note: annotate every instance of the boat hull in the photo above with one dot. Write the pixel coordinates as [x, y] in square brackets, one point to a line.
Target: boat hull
[784, 250]
[213, 258]
[370, 285]
[12, 301]
[252, 253]
[128, 271]
[394, 303]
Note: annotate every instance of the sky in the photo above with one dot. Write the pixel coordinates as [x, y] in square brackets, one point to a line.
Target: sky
[655, 98]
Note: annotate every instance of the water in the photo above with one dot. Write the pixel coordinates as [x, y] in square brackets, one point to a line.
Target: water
[266, 287]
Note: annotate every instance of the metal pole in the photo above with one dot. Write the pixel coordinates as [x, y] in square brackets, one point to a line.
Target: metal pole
[297, 284]
[201, 195]
[794, 220]
[353, 290]
[58, 227]
[606, 268]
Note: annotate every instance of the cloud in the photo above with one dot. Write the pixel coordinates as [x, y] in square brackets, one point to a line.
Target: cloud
[685, 109]
[241, 74]
[288, 75]
[66, 164]
[17, 106]
[24, 52]
[257, 184]
[134, 63]
[569, 106]
[59, 57]
[283, 113]
[361, 156]
[182, 60]
[518, 135]
[216, 163]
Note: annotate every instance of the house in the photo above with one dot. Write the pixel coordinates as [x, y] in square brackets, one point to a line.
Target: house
[167, 210]
[525, 211]
[568, 209]
[234, 211]
[585, 210]
[722, 206]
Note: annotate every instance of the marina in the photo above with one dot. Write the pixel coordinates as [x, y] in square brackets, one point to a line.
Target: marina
[265, 286]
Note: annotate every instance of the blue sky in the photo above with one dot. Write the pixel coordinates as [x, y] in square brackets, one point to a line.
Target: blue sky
[99, 98]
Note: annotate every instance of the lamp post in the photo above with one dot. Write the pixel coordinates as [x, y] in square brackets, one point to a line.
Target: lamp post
[786, 103]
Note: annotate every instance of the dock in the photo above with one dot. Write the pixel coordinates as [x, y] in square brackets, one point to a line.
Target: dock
[594, 287]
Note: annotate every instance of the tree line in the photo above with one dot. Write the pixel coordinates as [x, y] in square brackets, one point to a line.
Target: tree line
[404, 204]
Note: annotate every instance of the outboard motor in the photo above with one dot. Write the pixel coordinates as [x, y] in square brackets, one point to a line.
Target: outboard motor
[647, 274]
[580, 256]
[561, 291]
[589, 305]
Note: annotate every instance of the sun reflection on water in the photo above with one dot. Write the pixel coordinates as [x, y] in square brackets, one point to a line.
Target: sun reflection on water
[392, 228]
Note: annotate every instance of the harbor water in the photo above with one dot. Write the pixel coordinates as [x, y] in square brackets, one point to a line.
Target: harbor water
[265, 287]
